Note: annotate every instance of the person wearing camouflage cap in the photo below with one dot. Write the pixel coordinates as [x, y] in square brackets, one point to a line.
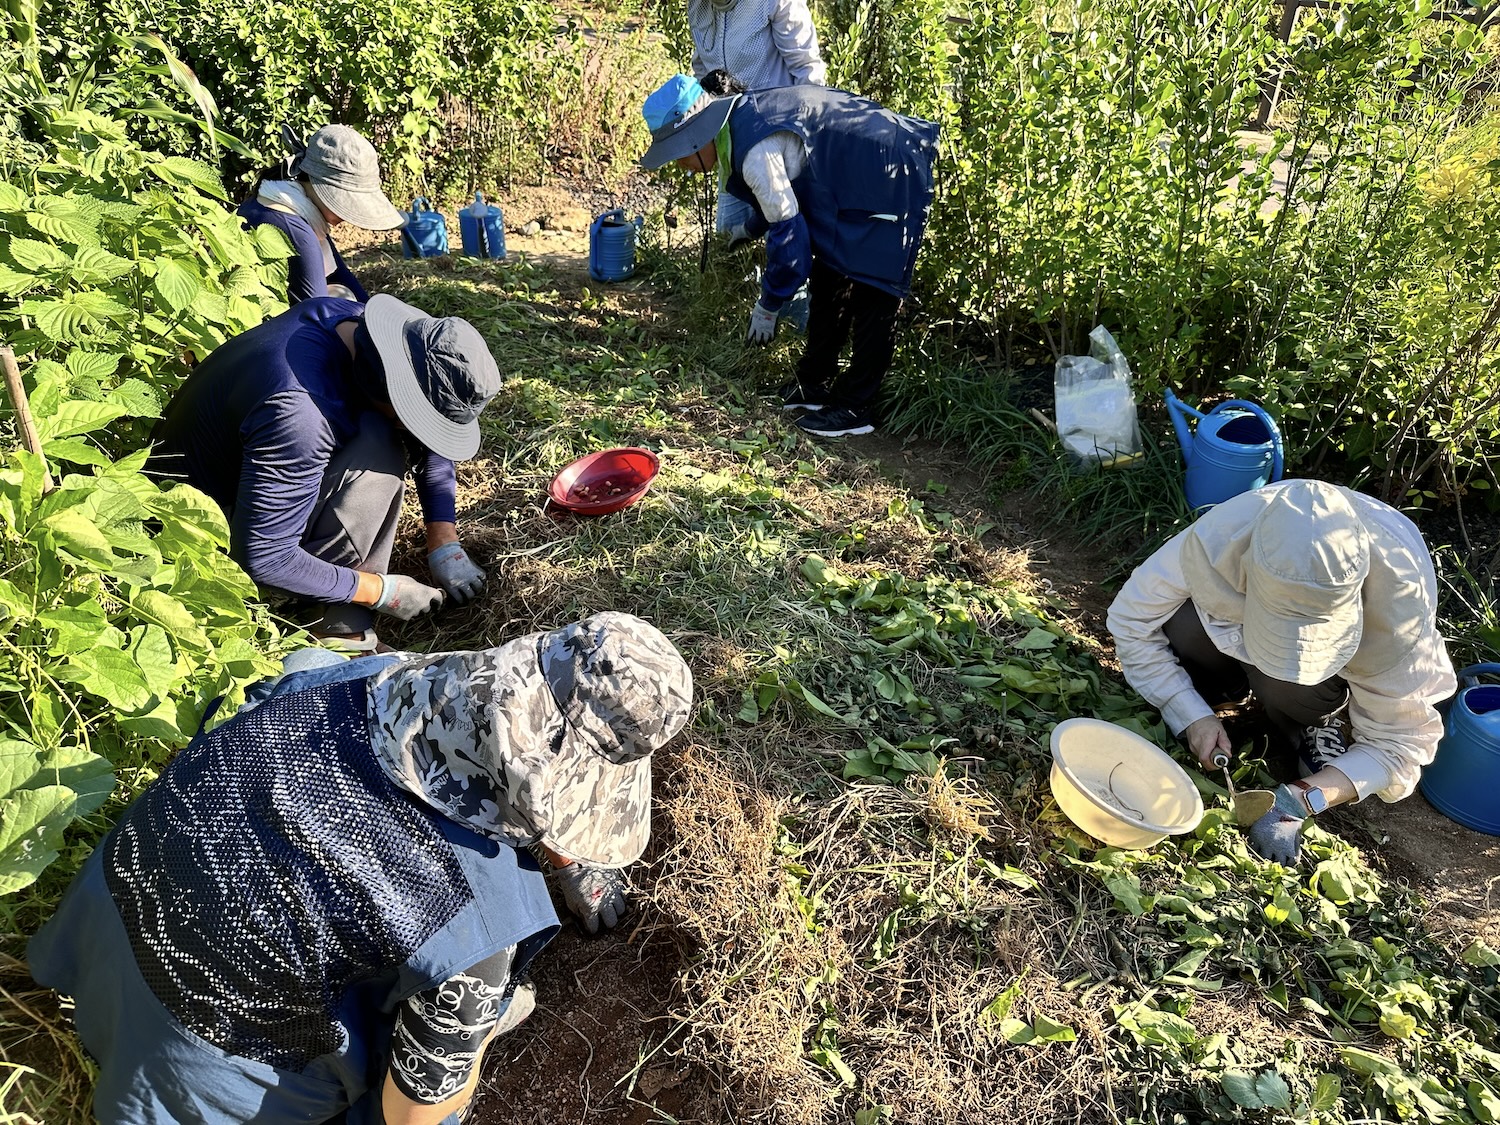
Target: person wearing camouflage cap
[322, 909]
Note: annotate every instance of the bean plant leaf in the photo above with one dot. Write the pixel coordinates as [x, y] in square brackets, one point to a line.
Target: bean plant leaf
[110, 674]
[31, 824]
[77, 416]
[1038, 639]
[1479, 954]
[999, 1007]
[1397, 1024]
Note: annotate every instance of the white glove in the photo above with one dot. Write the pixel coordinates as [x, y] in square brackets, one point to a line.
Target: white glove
[593, 894]
[455, 571]
[738, 234]
[762, 325]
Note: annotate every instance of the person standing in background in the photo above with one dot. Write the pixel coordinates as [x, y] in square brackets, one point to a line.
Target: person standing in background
[764, 44]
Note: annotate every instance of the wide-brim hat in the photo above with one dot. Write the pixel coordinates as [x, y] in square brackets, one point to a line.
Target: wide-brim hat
[345, 174]
[682, 119]
[439, 374]
[548, 737]
[1304, 577]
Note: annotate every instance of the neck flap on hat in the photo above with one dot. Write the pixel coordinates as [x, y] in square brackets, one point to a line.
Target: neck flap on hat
[468, 733]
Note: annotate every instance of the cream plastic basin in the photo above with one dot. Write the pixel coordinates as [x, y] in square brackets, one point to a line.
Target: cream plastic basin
[1118, 787]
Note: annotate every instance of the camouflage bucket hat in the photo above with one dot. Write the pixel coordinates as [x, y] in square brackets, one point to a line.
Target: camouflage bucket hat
[548, 737]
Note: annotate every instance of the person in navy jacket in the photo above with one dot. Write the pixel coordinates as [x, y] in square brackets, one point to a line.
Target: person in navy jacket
[303, 430]
[332, 178]
[841, 188]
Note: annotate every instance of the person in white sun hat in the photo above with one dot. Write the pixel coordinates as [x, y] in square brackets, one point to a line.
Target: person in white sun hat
[323, 910]
[303, 430]
[333, 177]
[1320, 601]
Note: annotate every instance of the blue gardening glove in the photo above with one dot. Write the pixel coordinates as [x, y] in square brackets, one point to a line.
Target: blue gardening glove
[404, 597]
[1277, 836]
[595, 895]
[762, 324]
[456, 572]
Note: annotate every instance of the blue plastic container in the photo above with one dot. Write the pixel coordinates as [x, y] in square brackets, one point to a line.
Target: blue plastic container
[481, 229]
[1235, 448]
[425, 234]
[1463, 781]
[612, 239]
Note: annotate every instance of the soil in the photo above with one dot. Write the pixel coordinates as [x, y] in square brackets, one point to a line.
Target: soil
[600, 1046]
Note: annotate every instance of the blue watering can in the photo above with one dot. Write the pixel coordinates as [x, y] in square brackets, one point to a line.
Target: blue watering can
[612, 246]
[481, 229]
[1463, 782]
[1237, 447]
[425, 234]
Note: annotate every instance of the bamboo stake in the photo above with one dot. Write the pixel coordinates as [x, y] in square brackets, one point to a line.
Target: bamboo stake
[24, 423]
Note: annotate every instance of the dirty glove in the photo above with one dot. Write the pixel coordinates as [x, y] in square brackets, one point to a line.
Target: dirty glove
[404, 597]
[762, 324]
[1277, 836]
[593, 894]
[455, 571]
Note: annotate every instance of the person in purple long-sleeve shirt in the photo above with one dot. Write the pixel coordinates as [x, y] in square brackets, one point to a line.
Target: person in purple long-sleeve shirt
[331, 178]
[303, 430]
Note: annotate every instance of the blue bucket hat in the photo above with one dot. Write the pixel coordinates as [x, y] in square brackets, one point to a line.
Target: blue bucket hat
[677, 128]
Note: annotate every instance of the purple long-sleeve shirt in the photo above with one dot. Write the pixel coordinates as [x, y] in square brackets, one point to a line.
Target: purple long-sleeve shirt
[255, 426]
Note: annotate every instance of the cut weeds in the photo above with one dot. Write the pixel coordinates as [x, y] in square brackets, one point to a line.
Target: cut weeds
[877, 911]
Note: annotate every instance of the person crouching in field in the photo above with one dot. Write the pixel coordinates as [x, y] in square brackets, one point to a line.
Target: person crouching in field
[331, 178]
[322, 910]
[303, 429]
[841, 188]
[1322, 602]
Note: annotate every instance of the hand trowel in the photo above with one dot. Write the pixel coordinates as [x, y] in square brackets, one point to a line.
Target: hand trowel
[1249, 806]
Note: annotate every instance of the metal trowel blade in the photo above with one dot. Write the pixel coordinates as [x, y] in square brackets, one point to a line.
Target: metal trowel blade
[1252, 804]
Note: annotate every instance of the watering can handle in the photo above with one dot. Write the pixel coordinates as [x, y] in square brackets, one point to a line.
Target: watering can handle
[1271, 428]
[1470, 675]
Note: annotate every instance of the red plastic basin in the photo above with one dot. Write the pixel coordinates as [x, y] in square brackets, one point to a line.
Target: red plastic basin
[604, 482]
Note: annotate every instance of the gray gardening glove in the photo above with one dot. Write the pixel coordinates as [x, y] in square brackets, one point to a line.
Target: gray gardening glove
[1277, 836]
[595, 895]
[762, 324]
[739, 234]
[404, 597]
[456, 572]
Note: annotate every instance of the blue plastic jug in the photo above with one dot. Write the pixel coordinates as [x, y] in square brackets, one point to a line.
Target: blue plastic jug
[425, 234]
[1236, 447]
[481, 229]
[612, 239]
[1463, 781]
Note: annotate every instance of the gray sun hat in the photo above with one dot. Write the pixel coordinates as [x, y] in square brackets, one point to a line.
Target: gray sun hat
[548, 737]
[345, 174]
[439, 374]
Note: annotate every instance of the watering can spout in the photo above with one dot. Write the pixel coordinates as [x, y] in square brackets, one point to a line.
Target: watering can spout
[1178, 410]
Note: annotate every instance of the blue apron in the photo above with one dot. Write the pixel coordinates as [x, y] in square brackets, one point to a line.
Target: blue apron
[237, 947]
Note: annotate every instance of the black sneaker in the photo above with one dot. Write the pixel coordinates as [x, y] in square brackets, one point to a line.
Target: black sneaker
[1320, 746]
[794, 396]
[836, 421]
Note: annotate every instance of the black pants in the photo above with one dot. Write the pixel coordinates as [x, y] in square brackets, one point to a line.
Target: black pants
[1219, 678]
[842, 308]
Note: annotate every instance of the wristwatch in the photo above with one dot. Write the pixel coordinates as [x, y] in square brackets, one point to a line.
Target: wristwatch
[1313, 798]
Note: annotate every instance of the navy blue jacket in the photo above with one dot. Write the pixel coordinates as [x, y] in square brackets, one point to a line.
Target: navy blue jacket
[255, 426]
[305, 277]
[867, 188]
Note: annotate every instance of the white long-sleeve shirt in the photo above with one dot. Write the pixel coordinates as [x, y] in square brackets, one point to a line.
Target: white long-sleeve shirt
[763, 43]
[1400, 671]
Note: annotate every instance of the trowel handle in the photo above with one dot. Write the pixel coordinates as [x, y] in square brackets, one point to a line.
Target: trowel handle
[1221, 760]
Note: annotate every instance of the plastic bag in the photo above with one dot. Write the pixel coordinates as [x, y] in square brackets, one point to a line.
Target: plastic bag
[1095, 405]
